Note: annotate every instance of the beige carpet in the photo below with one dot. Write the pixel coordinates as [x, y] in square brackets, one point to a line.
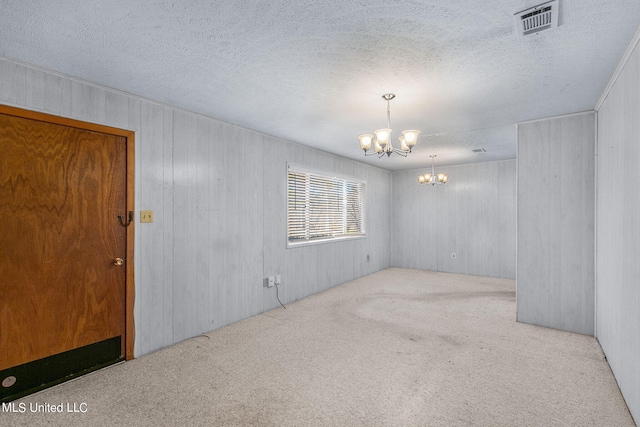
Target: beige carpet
[396, 348]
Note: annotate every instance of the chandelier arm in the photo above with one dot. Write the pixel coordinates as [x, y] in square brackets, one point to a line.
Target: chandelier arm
[400, 152]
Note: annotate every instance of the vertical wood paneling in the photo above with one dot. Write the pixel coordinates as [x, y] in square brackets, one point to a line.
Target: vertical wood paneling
[218, 206]
[302, 274]
[364, 247]
[536, 219]
[87, 102]
[165, 226]
[7, 74]
[35, 90]
[149, 236]
[232, 245]
[203, 227]
[117, 109]
[507, 212]
[618, 230]
[185, 321]
[218, 195]
[377, 221]
[413, 223]
[274, 220]
[12, 83]
[135, 119]
[473, 216]
[555, 274]
[449, 210]
[251, 224]
[57, 92]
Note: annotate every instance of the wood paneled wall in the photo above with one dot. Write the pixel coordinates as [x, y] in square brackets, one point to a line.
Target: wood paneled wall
[218, 195]
[618, 229]
[555, 273]
[474, 215]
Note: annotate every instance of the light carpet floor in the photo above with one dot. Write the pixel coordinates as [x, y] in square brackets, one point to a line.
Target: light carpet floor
[397, 348]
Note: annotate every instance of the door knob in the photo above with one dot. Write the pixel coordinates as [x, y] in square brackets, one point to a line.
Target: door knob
[118, 261]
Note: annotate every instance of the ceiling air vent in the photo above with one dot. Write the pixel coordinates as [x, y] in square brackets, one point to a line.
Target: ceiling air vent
[479, 150]
[537, 19]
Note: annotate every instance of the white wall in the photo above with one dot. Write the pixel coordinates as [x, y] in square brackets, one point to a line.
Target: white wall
[218, 194]
[618, 229]
[555, 273]
[473, 215]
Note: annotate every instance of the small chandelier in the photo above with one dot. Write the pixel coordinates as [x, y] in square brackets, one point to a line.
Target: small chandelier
[433, 178]
[381, 141]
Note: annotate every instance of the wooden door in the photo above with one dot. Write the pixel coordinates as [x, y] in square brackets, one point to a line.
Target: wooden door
[62, 189]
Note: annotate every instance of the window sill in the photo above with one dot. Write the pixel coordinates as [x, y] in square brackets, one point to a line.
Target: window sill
[323, 241]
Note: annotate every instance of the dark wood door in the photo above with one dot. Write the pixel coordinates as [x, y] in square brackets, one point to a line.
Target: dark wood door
[61, 191]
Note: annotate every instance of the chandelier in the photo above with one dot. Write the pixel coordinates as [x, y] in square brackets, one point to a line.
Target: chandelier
[433, 177]
[381, 141]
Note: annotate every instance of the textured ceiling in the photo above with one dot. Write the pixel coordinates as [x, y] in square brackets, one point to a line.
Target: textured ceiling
[314, 71]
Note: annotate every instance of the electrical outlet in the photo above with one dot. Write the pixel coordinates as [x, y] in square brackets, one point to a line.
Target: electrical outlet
[453, 255]
[278, 279]
[270, 281]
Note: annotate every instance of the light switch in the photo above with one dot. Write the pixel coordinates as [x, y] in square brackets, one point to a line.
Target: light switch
[146, 216]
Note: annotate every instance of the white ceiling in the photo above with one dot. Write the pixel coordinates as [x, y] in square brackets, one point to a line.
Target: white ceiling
[314, 71]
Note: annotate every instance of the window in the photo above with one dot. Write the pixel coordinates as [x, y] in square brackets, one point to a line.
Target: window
[321, 208]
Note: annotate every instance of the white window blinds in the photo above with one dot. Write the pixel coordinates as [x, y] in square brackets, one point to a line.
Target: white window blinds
[323, 207]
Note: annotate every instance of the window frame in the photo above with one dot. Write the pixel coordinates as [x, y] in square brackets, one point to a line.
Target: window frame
[325, 175]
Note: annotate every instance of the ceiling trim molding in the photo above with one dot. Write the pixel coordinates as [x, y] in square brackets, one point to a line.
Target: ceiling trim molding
[619, 68]
[561, 116]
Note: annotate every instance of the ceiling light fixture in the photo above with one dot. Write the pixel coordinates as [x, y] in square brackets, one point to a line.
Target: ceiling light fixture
[433, 177]
[381, 141]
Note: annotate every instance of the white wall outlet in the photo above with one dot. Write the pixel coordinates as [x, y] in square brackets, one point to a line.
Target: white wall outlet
[278, 279]
[268, 282]
[453, 255]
